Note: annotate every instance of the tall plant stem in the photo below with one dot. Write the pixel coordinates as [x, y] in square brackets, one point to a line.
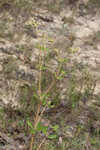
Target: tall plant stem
[36, 120]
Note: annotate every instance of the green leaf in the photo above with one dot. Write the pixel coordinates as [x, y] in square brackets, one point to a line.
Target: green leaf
[53, 136]
[44, 99]
[43, 68]
[73, 105]
[55, 127]
[62, 60]
[35, 96]
[30, 124]
[42, 128]
[33, 131]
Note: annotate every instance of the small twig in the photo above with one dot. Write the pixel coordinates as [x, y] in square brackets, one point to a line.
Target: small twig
[41, 144]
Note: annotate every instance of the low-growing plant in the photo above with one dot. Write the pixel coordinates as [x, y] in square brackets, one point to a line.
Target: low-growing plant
[54, 73]
[45, 92]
